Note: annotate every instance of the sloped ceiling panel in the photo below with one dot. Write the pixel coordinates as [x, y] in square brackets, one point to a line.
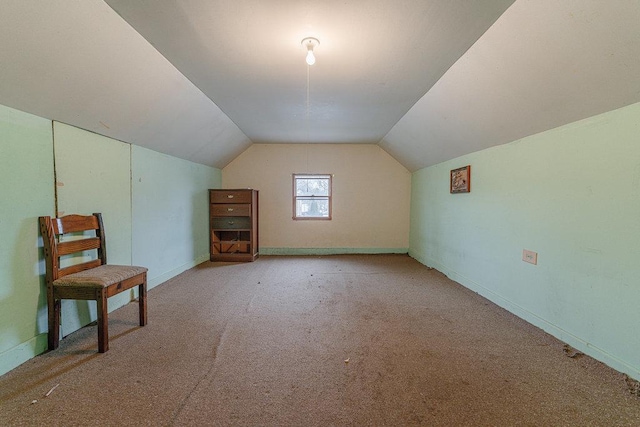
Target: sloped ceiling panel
[79, 63]
[375, 58]
[543, 64]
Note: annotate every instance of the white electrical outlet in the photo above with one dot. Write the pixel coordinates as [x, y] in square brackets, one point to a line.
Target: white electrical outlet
[530, 257]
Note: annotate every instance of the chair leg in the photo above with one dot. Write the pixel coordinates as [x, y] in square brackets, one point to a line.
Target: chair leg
[142, 301]
[53, 338]
[103, 322]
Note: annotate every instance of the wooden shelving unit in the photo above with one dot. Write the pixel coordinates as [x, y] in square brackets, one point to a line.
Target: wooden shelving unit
[233, 225]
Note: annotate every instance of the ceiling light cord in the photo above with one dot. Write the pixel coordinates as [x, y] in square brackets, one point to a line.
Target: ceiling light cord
[308, 100]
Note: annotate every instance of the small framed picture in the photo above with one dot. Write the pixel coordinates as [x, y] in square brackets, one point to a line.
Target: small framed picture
[461, 180]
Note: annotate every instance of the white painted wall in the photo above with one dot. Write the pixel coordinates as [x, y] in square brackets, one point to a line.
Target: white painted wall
[371, 193]
[572, 195]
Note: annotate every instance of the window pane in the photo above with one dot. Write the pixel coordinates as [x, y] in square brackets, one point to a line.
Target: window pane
[312, 186]
[310, 208]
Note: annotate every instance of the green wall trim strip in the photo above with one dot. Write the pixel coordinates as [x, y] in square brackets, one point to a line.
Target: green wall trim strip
[331, 251]
[19, 354]
[559, 333]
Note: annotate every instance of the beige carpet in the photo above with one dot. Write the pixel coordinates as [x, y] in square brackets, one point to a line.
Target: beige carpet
[316, 341]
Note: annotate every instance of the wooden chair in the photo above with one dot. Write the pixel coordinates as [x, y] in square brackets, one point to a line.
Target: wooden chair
[91, 280]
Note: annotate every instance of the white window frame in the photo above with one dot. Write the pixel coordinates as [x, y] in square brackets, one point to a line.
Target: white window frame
[296, 197]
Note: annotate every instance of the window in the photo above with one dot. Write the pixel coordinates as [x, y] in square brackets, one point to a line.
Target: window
[311, 196]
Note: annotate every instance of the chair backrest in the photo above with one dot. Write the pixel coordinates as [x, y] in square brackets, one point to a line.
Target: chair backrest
[53, 228]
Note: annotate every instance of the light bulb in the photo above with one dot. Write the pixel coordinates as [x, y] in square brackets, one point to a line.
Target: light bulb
[310, 43]
[311, 59]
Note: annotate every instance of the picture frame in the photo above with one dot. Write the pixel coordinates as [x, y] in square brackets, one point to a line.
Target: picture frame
[460, 180]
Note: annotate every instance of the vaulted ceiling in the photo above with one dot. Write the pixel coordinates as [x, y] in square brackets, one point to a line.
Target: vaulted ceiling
[427, 80]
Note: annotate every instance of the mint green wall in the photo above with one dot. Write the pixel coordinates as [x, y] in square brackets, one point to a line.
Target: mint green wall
[93, 175]
[158, 220]
[26, 184]
[170, 211]
[571, 194]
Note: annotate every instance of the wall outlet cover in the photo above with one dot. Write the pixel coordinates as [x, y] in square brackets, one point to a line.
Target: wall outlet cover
[530, 257]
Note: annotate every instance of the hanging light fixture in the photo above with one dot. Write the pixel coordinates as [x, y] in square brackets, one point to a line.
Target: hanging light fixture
[310, 43]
